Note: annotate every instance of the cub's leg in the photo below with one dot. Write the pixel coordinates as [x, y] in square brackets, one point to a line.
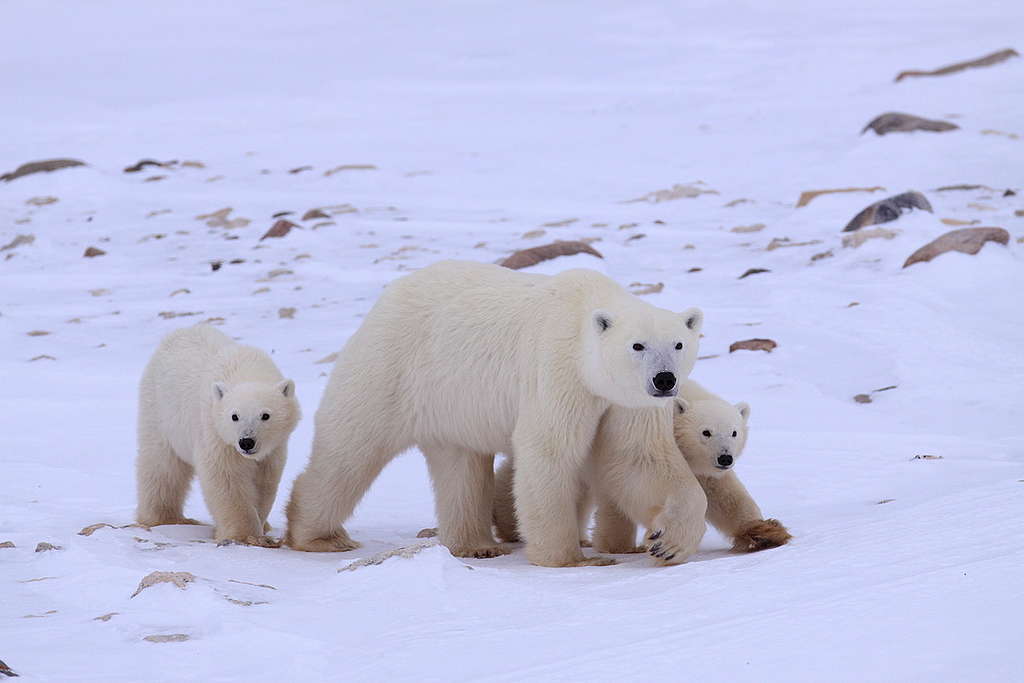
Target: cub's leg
[614, 532]
[464, 498]
[162, 480]
[229, 487]
[732, 511]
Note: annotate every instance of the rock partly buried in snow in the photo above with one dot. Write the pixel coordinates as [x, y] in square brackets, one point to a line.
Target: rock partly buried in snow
[7, 544]
[639, 288]
[756, 227]
[314, 213]
[862, 398]
[41, 201]
[753, 271]
[689, 191]
[91, 252]
[18, 241]
[524, 258]
[179, 579]
[966, 240]
[987, 60]
[861, 236]
[168, 638]
[40, 167]
[6, 670]
[43, 547]
[143, 163]
[753, 345]
[279, 229]
[888, 209]
[898, 122]
[807, 196]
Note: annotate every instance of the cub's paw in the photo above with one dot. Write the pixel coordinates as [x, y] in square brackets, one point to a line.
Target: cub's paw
[258, 541]
[480, 551]
[761, 534]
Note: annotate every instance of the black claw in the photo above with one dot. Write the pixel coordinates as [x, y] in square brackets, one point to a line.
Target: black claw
[656, 535]
[655, 548]
[669, 557]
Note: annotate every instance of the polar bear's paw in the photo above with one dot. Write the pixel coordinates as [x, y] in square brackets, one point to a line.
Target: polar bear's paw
[761, 534]
[479, 551]
[258, 541]
[335, 543]
[672, 541]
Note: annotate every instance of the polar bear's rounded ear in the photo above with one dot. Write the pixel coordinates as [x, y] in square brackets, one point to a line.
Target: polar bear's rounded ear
[744, 409]
[682, 405]
[219, 390]
[286, 387]
[694, 318]
[602, 320]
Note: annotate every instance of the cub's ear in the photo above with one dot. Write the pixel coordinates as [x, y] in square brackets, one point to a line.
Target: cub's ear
[694, 318]
[744, 409]
[602, 320]
[682, 406]
[286, 387]
[219, 390]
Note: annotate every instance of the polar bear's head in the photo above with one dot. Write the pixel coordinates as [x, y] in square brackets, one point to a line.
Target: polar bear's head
[711, 434]
[255, 418]
[635, 355]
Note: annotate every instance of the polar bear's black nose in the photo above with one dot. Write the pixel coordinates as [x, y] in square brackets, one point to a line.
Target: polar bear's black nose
[664, 381]
[246, 444]
[725, 460]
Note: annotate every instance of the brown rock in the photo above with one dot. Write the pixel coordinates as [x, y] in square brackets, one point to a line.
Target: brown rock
[533, 234]
[987, 60]
[962, 186]
[41, 201]
[314, 213]
[179, 579]
[862, 398]
[822, 255]
[7, 544]
[779, 242]
[897, 122]
[287, 312]
[675, 192]
[43, 547]
[753, 271]
[957, 222]
[806, 197]
[888, 209]
[40, 167]
[1019, 212]
[646, 288]
[168, 638]
[143, 163]
[966, 240]
[18, 241]
[695, 269]
[525, 258]
[753, 345]
[90, 252]
[756, 227]
[300, 169]
[279, 229]
[350, 167]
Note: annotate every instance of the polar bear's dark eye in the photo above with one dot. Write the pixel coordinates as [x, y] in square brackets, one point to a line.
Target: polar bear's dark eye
[679, 346]
[706, 432]
[734, 433]
[234, 418]
[638, 347]
[266, 416]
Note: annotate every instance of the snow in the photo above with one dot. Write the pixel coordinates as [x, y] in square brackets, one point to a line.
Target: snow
[485, 121]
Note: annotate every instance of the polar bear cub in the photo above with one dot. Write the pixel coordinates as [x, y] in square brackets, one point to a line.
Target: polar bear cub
[223, 411]
[466, 360]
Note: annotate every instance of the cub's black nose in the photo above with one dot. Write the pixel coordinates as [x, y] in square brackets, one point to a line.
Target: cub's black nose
[725, 460]
[664, 381]
[247, 444]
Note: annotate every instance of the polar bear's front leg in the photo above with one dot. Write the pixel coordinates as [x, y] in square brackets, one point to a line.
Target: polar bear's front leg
[547, 485]
[268, 478]
[463, 494]
[229, 487]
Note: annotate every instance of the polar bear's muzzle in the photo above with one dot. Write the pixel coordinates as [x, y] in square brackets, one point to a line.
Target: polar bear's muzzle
[247, 446]
[725, 461]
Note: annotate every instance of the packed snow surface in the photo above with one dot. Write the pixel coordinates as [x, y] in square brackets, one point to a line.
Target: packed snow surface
[462, 130]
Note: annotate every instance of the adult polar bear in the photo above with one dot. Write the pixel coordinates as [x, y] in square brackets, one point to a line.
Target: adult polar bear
[466, 360]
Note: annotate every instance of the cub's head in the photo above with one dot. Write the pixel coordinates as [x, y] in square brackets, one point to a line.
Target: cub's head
[255, 417]
[636, 355]
[711, 434]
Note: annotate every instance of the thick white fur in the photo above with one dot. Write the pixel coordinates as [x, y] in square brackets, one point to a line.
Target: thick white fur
[196, 380]
[466, 360]
[654, 467]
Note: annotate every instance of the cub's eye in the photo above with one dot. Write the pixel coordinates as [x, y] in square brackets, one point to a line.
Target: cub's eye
[679, 346]
[234, 418]
[734, 433]
[706, 433]
[638, 347]
[266, 416]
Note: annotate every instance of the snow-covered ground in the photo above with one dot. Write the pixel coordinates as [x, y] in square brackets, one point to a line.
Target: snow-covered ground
[484, 122]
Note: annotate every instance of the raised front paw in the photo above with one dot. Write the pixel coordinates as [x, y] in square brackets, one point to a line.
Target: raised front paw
[760, 535]
[672, 540]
